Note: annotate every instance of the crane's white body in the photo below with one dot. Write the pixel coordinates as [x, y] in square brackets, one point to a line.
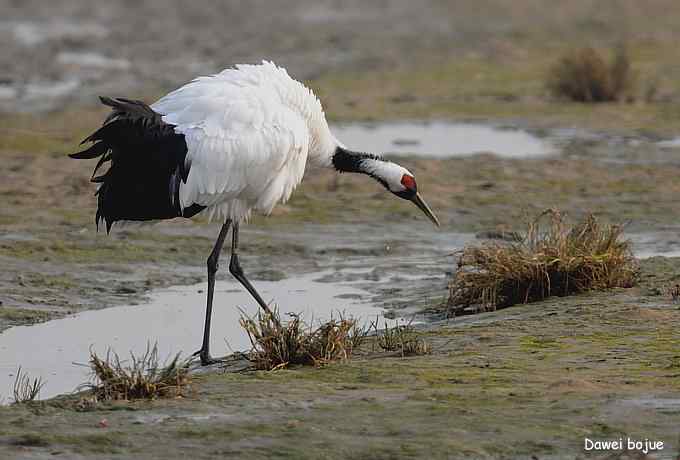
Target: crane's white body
[226, 145]
[250, 132]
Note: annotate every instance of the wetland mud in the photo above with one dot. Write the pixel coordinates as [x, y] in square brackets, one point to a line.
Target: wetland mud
[173, 319]
[598, 365]
[526, 382]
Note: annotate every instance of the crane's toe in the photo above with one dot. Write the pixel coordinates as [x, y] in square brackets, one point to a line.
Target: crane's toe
[206, 359]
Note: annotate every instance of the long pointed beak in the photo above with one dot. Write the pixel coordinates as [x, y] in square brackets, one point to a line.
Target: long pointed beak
[418, 201]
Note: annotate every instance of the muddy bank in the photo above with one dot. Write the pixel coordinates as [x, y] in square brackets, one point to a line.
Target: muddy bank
[56, 263]
[371, 62]
[530, 380]
[380, 61]
[172, 319]
[526, 381]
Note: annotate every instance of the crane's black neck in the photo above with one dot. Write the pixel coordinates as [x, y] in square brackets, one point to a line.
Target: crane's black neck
[356, 162]
[349, 161]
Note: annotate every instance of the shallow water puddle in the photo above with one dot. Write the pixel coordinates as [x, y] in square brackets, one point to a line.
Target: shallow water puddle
[673, 143]
[654, 244]
[443, 139]
[173, 318]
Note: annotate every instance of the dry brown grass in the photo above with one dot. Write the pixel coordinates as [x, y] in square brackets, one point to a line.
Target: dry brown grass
[142, 377]
[552, 259]
[276, 345]
[403, 339]
[25, 389]
[673, 291]
[583, 75]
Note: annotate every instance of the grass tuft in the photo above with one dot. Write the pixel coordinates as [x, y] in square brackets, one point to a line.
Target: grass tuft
[25, 389]
[673, 292]
[143, 377]
[401, 338]
[551, 259]
[276, 345]
[583, 75]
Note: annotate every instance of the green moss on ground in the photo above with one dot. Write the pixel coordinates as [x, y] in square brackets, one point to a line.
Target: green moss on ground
[528, 380]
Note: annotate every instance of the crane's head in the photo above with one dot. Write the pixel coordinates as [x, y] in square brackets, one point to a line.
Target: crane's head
[392, 176]
[402, 183]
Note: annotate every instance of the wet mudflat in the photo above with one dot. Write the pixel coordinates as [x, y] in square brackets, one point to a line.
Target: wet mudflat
[173, 318]
[363, 279]
[597, 364]
[528, 381]
[365, 286]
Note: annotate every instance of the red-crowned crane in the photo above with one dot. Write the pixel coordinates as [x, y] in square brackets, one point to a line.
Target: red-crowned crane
[223, 145]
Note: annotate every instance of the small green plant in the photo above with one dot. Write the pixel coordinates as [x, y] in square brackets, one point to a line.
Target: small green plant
[551, 259]
[583, 75]
[401, 338]
[25, 389]
[276, 345]
[142, 377]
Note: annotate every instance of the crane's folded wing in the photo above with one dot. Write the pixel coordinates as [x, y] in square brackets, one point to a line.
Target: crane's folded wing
[245, 148]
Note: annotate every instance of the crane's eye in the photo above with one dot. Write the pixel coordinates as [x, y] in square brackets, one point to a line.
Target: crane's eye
[409, 182]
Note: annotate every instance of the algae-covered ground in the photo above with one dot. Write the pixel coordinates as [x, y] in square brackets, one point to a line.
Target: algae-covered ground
[526, 382]
[57, 263]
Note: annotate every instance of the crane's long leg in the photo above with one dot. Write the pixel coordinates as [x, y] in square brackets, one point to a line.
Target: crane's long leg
[237, 271]
[213, 265]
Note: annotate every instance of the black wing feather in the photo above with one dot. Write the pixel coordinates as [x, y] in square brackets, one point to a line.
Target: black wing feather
[102, 160]
[94, 151]
[148, 162]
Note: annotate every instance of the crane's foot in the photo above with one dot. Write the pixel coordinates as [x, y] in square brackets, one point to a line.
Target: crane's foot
[206, 359]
